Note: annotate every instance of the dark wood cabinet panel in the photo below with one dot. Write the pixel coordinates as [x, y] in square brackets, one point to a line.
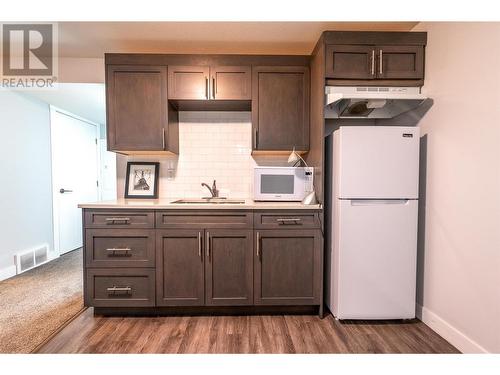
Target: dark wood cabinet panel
[287, 267]
[137, 108]
[120, 287]
[395, 63]
[120, 248]
[400, 62]
[350, 62]
[188, 82]
[229, 267]
[184, 219]
[179, 265]
[280, 108]
[231, 82]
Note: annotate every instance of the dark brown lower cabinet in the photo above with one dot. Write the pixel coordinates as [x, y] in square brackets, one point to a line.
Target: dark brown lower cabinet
[229, 267]
[179, 268]
[287, 267]
[120, 287]
[196, 258]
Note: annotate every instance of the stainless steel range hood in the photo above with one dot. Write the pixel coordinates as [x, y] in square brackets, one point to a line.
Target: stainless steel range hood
[370, 102]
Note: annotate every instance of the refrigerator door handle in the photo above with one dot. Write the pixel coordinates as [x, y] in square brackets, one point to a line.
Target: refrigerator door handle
[371, 202]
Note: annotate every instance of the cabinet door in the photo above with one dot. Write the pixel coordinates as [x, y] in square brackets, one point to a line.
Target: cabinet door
[179, 268]
[229, 267]
[188, 82]
[287, 267]
[137, 107]
[350, 62]
[280, 108]
[400, 62]
[231, 82]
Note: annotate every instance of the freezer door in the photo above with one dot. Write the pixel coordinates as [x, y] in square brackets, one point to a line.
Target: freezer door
[376, 162]
[376, 256]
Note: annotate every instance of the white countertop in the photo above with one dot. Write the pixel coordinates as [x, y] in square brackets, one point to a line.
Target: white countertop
[162, 204]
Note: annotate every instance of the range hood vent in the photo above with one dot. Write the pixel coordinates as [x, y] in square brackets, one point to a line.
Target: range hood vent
[370, 102]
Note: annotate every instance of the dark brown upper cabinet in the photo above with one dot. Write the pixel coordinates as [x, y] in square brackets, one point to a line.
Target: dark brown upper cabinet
[210, 88]
[231, 82]
[188, 82]
[400, 62]
[374, 64]
[350, 62]
[139, 118]
[280, 108]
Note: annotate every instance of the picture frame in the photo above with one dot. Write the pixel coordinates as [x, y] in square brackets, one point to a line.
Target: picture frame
[141, 181]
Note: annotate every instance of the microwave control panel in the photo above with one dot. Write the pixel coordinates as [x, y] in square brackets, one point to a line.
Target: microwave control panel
[308, 179]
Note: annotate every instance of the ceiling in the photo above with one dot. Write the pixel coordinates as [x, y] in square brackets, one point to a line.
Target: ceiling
[86, 100]
[93, 39]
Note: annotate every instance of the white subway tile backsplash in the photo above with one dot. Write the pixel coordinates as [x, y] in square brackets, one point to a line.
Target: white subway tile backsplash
[212, 145]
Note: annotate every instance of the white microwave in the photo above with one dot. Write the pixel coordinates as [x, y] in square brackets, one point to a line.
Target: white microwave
[282, 183]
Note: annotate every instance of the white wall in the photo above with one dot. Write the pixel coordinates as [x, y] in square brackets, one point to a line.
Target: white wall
[459, 253]
[212, 145]
[25, 184]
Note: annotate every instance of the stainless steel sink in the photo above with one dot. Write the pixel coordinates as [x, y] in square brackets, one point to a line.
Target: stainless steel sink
[209, 201]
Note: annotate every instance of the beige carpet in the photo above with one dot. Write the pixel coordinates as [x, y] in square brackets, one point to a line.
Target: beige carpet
[33, 305]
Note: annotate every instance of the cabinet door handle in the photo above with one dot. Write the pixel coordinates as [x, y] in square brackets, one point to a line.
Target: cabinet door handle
[373, 62]
[206, 88]
[213, 87]
[258, 245]
[255, 139]
[163, 138]
[208, 245]
[199, 244]
[117, 289]
[381, 62]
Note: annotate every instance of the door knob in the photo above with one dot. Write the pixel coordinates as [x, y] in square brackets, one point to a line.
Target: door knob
[62, 191]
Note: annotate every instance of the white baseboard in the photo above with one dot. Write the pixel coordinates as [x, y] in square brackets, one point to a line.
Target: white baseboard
[7, 272]
[454, 336]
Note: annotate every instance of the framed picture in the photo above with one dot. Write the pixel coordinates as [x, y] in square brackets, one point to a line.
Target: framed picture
[142, 180]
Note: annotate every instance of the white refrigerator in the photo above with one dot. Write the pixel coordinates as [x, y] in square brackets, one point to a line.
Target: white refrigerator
[374, 222]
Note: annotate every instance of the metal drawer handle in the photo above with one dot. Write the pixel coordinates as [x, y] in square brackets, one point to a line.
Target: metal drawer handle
[115, 250]
[294, 220]
[113, 219]
[118, 289]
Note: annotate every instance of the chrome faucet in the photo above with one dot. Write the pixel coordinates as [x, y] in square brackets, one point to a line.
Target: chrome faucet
[213, 190]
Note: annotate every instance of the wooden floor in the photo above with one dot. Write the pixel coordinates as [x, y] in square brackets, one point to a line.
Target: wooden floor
[242, 334]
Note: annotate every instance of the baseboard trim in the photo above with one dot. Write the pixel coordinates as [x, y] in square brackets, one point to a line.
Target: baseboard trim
[450, 333]
[7, 272]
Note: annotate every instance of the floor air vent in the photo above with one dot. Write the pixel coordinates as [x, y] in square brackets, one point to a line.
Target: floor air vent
[29, 259]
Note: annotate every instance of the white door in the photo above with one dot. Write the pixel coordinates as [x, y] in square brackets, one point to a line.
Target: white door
[74, 175]
[378, 162]
[376, 259]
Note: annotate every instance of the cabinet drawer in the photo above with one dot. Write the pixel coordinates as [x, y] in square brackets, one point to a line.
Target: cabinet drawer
[286, 220]
[205, 219]
[119, 219]
[120, 287]
[119, 248]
